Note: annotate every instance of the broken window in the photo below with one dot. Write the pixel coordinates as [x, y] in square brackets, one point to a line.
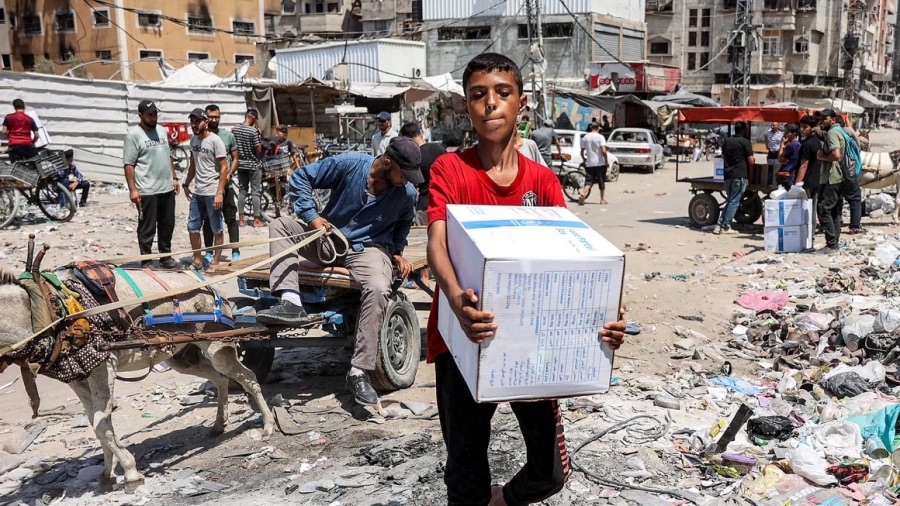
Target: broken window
[65, 22]
[31, 24]
[243, 28]
[101, 18]
[198, 23]
[659, 47]
[198, 56]
[465, 33]
[551, 30]
[149, 54]
[692, 61]
[243, 58]
[779, 5]
[806, 5]
[149, 20]
[28, 61]
[704, 60]
[801, 46]
[659, 6]
[729, 5]
[104, 55]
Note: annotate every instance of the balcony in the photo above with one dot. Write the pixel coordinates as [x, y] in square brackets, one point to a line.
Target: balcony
[320, 23]
[772, 65]
[779, 20]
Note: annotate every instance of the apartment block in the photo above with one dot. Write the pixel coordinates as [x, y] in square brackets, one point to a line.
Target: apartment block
[126, 39]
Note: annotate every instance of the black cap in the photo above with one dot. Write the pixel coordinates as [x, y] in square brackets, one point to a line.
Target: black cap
[253, 111]
[147, 106]
[405, 153]
[828, 113]
[198, 113]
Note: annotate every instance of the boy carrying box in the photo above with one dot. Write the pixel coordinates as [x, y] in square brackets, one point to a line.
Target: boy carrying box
[491, 173]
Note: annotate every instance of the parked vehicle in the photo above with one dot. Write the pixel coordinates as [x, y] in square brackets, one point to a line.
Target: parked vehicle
[636, 147]
[570, 140]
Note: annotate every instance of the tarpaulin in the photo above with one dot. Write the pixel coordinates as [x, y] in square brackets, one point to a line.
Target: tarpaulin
[732, 114]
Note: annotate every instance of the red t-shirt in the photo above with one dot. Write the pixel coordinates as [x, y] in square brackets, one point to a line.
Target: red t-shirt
[458, 178]
[20, 126]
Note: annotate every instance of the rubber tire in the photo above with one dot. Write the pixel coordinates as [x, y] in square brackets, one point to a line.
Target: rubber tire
[750, 210]
[612, 175]
[400, 318]
[58, 188]
[10, 198]
[703, 210]
[573, 184]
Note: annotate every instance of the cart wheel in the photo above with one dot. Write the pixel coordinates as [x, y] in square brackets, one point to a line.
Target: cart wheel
[573, 183]
[55, 200]
[9, 206]
[703, 210]
[399, 346]
[750, 210]
[612, 175]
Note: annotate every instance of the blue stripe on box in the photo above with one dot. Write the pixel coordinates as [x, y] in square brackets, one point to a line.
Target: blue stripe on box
[781, 213]
[523, 223]
[780, 239]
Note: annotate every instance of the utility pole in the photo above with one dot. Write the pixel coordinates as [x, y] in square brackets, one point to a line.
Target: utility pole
[536, 46]
[741, 49]
[853, 66]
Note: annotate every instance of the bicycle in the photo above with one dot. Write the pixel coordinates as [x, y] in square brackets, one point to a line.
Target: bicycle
[37, 179]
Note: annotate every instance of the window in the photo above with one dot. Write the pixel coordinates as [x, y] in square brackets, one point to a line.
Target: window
[198, 23]
[659, 47]
[692, 61]
[729, 5]
[333, 8]
[243, 58]
[198, 56]
[149, 20]
[103, 55]
[243, 28]
[704, 39]
[692, 39]
[149, 54]
[101, 18]
[7, 62]
[2, 16]
[771, 43]
[551, 30]
[801, 46]
[692, 18]
[706, 20]
[465, 33]
[65, 22]
[288, 7]
[704, 60]
[380, 26]
[31, 24]
[28, 61]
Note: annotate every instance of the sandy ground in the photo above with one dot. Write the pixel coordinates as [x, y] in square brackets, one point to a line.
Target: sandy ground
[646, 218]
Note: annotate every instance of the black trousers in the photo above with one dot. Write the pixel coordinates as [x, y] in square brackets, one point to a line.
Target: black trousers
[85, 187]
[831, 206]
[230, 210]
[595, 175]
[21, 152]
[853, 193]
[157, 219]
[813, 193]
[466, 426]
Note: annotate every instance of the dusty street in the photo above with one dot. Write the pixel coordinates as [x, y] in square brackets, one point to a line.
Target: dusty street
[681, 284]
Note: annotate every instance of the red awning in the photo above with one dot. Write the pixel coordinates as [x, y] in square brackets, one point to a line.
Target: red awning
[732, 114]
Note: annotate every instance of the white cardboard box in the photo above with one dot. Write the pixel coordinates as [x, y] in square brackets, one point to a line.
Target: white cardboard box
[718, 169]
[788, 212]
[551, 282]
[789, 239]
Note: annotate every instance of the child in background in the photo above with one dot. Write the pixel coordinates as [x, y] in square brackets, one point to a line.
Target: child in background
[73, 179]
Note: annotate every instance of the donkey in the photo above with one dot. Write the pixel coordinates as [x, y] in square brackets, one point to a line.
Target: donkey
[215, 361]
[879, 171]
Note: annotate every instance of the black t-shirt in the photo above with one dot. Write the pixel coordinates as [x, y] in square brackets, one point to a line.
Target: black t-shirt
[430, 152]
[809, 151]
[735, 152]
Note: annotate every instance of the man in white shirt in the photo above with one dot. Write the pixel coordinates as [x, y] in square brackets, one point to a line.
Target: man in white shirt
[593, 152]
[383, 136]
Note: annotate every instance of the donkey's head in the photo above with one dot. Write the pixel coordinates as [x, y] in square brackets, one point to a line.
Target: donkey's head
[15, 310]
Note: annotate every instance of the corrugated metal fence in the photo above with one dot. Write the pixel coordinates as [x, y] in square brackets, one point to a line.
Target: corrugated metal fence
[92, 117]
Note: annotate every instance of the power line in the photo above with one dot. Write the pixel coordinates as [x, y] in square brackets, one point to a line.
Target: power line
[591, 36]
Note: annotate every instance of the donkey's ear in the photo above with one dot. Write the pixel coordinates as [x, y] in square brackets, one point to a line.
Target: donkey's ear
[8, 278]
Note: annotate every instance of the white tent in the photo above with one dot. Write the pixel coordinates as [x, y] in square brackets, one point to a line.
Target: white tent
[445, 82]
[192, 75]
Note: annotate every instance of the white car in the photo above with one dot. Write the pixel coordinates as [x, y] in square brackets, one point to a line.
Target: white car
[570, 140]
[636, 147]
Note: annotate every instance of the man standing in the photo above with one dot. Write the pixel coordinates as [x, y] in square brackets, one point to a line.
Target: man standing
[738, 158]
[430, 151]
[545, 137]
[21, 133]
[808, 168]
[229, 205]
[832, 181]
[152, 183]
[593, 152]
[373, 205]
[249, 166]
[772, 138]
[208, 165]
[789, 156]
[385, 133]
[851, 190]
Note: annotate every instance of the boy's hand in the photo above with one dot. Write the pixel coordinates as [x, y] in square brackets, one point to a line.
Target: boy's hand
[478, 325]
[613, 333]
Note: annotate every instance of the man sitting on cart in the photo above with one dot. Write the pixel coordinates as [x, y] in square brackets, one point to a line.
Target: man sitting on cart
[373, 205]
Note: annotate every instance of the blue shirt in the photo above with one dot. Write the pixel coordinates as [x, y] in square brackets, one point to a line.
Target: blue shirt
[791, 153]
[363, 218]
[73, 170]
[773, 139]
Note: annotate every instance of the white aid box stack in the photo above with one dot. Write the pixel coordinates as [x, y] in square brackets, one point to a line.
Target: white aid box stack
[551, 282]
[718, 169]
[789, 225]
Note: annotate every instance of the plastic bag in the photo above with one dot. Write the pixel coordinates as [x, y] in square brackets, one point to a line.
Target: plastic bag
[857, 327]
[840, 438]
[770, 427]
[796, 193]
[813, 322]
[808, 464]
[886, 253]
[847, 384]
[873, 371]
[887, 321]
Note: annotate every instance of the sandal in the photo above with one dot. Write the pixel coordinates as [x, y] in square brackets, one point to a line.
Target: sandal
[855, 231]
[198, 267]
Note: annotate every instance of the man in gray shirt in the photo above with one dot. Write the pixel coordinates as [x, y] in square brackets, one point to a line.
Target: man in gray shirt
[545, 137]
[385, 133]
[209, 173]
[152, 183]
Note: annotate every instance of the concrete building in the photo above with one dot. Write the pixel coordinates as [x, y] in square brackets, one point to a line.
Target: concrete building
[6, 56]
[391, 17]
[799, 54]
[618, 26]
[324, 19]
[126, 39]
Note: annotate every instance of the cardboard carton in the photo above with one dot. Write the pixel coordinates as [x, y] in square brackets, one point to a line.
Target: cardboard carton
[789, 239]
[718, 169]
[551, 282]
[788, 212]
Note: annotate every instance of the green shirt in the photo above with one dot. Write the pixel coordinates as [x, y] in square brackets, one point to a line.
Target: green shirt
[831, 171]
[230, 144]
[149, 153]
